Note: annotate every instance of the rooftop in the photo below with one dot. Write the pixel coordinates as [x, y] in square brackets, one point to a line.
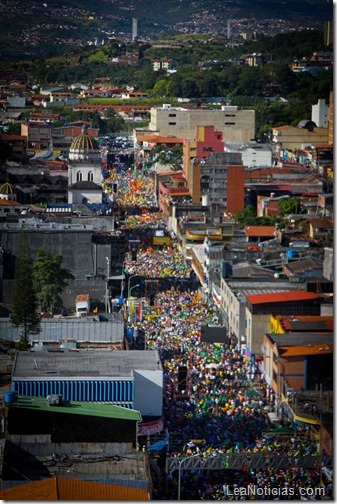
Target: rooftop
[78, 408]
[159, 139]
[281, 297]
[70, 489]
[301, 350]
[256, 231]
[300, 339]
[98, 365]
[306, 323]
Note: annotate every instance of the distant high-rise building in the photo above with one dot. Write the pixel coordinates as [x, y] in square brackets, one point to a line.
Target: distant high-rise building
[229, 28]
[134, 28]
[331, 119]
[328, 33]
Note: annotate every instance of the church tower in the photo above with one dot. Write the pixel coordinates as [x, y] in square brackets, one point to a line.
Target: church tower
[84, 173]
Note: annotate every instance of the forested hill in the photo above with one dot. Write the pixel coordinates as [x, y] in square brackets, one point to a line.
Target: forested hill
[33, 29]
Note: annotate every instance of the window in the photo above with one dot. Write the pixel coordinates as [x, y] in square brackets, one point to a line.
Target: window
[229, 123]
[79, 176]
[172, 115]
[172, 124]
[90, 176]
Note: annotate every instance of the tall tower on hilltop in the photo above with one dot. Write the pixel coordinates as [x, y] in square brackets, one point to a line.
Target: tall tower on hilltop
[229, 29]
[134, 28]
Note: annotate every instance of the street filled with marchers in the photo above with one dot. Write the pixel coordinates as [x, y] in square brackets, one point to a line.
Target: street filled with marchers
[223, 406]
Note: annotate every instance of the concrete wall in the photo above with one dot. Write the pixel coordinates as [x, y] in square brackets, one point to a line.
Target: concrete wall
[86, 260]
[328, 263]
[148, 392]
[235, 125]
[257, 326]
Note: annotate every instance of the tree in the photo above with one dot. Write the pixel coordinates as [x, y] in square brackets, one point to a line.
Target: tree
[113, 121]
[171, 157]
[288, 205]
[246, 216]
[24, 314]
[49, 279]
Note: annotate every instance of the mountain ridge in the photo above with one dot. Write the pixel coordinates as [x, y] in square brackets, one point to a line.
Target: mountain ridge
[32, 29]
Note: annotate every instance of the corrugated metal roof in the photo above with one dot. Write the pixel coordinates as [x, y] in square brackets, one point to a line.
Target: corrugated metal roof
[281, 297]
[84, 330]
[78, 408]
[69, 489]
[83, 364]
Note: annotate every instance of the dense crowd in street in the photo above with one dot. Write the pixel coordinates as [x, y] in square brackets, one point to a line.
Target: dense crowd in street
[153, 220]
[130, 189]
[166, 261]
[222, 409]
[219, 404]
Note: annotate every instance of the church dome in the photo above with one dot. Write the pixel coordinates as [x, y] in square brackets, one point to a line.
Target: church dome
[84, 148]
[84, 142]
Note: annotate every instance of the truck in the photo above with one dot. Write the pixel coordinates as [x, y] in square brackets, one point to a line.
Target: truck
[82, 305]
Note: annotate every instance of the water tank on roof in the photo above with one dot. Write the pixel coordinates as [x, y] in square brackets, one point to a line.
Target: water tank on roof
[205, 200]
[10, 397]
[291, 254]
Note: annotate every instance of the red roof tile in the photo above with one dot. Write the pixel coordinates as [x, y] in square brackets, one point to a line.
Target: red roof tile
[159, 139]
[281, 297]
[260, 231]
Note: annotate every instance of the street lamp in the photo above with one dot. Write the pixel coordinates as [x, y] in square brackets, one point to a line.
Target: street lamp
[107, 285]
[179, 470]
[129, 290]
[133, 287]
[129, 295]
[123, 276]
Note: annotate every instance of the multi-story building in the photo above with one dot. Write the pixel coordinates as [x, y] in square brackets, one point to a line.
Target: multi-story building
[38, 136]
[221, 181]
[320, 114]
[295, 364]
[213, 176]
[234, 294]
[234, 124]
[164, 64]
[328, 33]
[331, 120]
[295, 137]
[259, 307]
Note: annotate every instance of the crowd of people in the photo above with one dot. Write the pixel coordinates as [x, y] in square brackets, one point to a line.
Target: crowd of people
[130, 189]
[166, 261]
[215, 401]
[153, 220]
[221, 409]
